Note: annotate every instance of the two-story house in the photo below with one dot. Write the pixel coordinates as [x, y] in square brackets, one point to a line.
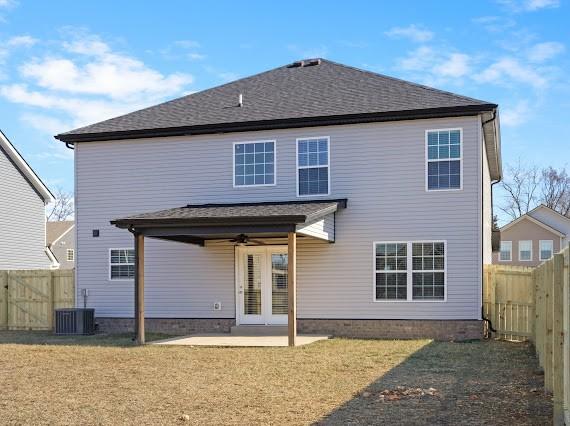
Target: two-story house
[315, 195]
[61, 241]
[23, 200]
[533, 237]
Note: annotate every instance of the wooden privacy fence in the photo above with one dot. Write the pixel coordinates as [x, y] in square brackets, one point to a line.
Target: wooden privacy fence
[534, 304]
[28, 297]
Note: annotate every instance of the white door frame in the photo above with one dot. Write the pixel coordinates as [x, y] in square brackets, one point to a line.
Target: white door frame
[266, 317]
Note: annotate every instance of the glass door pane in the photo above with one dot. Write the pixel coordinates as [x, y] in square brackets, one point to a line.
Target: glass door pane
[252, 287]
[279, 298]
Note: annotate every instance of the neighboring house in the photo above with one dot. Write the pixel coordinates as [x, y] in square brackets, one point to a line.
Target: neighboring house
[379, 188]
[61, 241]
[22, 213]
[533, 238]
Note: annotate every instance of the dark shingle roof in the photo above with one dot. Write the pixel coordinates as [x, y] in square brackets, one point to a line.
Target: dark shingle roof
[292, 212]
[286, 96]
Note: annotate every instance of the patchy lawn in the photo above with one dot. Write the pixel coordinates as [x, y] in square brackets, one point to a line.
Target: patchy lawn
[105, 380]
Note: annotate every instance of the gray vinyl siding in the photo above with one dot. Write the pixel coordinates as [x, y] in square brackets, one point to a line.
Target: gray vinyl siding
[379, 167]
[59, 249]
[22, 221]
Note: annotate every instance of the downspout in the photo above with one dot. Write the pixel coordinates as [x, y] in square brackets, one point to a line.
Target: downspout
[487, 320]
[70, 145]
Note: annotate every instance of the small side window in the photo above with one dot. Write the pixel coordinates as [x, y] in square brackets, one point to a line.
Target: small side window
[525, 250]
[506, 253]
[546, 249]
[121, 264]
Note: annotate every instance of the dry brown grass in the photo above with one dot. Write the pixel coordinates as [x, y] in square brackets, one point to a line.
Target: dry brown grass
[98, 380]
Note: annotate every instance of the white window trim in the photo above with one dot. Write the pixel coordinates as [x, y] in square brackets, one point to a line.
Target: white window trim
[531, 254]
[109, 261]
[409, 272]
[540, 249]
[510, 259]
[67, 252]
[274, 163]
[311, 167]
[461, 165]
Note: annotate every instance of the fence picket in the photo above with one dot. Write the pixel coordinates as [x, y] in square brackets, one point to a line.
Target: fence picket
[28, 297]
[534, 304]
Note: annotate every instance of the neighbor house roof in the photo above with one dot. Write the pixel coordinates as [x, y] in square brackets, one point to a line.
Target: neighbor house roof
[24, 168]
[305, 93]
[534, 220]
[288, 212]
[57, 229]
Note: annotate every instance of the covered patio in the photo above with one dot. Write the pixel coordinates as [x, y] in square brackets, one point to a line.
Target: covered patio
[243, 224]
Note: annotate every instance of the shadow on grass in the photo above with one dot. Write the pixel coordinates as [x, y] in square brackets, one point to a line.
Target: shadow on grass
[475, 383]
[25, 337]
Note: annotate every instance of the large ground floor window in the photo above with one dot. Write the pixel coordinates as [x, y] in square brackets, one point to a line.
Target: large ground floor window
[410, 270]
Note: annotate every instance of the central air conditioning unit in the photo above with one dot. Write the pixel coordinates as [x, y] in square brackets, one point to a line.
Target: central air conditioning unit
[75, 321]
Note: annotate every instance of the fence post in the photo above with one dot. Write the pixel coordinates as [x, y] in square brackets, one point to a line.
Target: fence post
[4, 300]
[566, 326]
[549, 321]
[557, 373]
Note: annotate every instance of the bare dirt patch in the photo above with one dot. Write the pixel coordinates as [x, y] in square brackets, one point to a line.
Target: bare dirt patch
[106, 380]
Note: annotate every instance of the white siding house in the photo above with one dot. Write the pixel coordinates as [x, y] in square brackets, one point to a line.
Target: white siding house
[22, 213]
[381, 167]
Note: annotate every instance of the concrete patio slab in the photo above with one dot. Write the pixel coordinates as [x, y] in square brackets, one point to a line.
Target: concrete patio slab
[233, 340]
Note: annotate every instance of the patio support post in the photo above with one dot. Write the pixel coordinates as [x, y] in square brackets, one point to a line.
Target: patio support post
[292, 286]
[139, 288]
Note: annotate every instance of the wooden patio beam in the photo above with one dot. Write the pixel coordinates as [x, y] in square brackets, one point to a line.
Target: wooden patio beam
[292, 286]
[139, 288]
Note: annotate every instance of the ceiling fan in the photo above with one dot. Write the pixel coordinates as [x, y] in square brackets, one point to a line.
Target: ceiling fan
[243, 239]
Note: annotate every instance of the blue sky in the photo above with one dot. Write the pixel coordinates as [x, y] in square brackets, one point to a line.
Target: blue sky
[64, 64]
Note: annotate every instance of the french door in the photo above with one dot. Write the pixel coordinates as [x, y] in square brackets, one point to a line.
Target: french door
[261, 285]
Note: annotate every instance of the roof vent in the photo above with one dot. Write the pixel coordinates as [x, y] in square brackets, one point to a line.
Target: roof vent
[312, 62]
[297, 64]
[305, 63]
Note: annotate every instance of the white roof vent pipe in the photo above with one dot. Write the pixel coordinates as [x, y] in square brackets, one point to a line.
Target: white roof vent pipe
[240, 100]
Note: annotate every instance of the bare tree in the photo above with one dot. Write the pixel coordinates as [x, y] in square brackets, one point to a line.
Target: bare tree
[521, 186]
[555, 190]
[62, 208]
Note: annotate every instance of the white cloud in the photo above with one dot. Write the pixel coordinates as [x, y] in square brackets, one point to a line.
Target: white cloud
[541, 4]
[435, 66]
[46, 124]
[529, 5]
[541, 52]
[457, 65]
[187, 44]
[7, 3]
[196, 56]
[21, 41]
[515, 115]
[412, 32]
[508, 70]
[97, 70]
[494, 24]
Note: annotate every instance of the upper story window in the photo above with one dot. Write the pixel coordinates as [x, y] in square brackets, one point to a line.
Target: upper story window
[444, 157]
[254, 163]
[313, 174]
[546, 249]
[121, 264]
[525, 250]
[70, 255]
[506, 253]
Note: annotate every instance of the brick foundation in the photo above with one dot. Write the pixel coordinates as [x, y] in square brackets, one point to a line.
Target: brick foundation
[394, 329]
[174, 326]
[364, 329]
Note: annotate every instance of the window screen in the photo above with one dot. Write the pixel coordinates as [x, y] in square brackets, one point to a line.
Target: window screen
[122, 264]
